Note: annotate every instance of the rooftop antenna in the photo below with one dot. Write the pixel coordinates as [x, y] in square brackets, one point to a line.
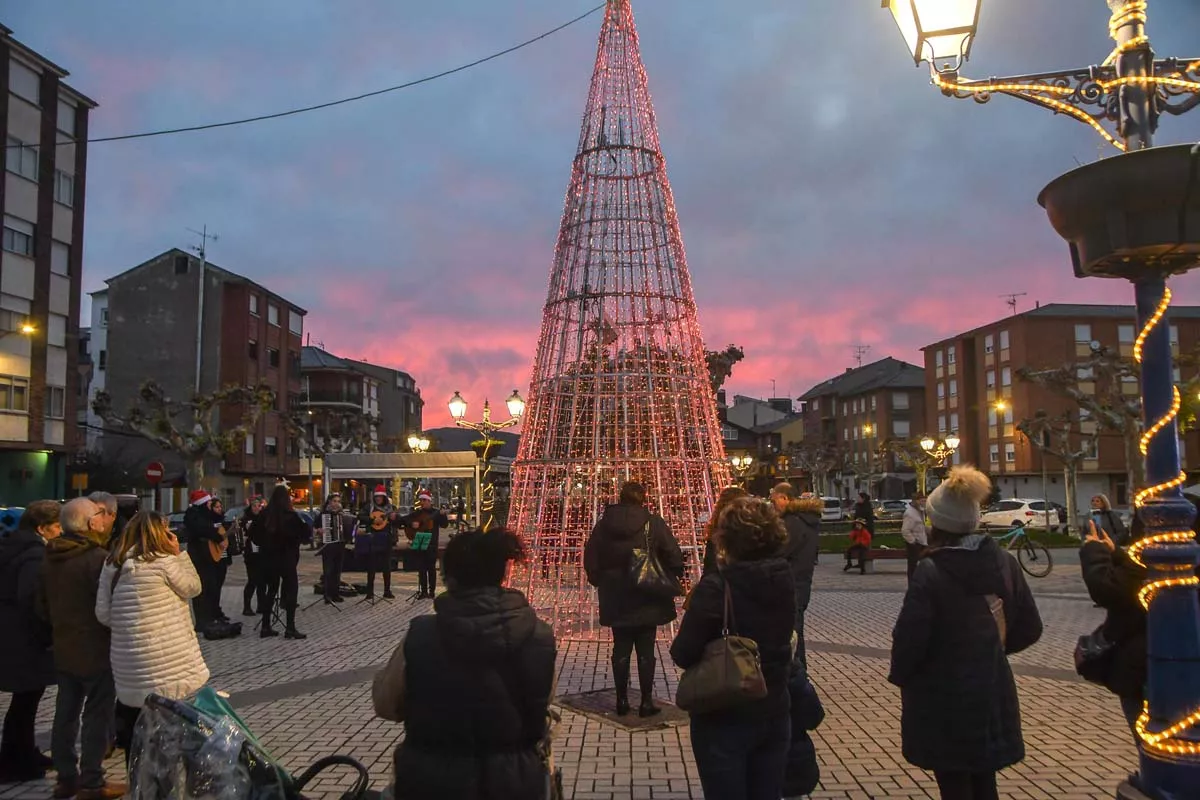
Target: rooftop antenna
[772, 387]
[860, 350]
[1011, 300]
[202, 251]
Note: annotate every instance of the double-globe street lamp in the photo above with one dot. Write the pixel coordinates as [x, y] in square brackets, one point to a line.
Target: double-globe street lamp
[741, 467]
[934, 454]
[458, 410]
[1134, 216]
[418, 443]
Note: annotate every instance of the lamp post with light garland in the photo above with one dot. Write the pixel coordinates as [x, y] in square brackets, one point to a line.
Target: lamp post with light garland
[1134, 216]
[419, 443]
[458, 410]
[741, 467]
[936, 452]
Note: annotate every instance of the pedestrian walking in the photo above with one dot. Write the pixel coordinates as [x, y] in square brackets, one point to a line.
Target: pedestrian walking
[860, 546]
[966, 610]
[801, 518]
[633, 614]
[727, 496]
[86, 696]
[741, 752]
[26, 661]
[143, 599]
[864, 509]
[278, 532]
[1109, 521]
[916, 535]
[256, 586]
[472, 683]
[205, 540]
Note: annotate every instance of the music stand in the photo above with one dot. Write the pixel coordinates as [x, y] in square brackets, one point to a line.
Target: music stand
[420, 543]
[276, 617]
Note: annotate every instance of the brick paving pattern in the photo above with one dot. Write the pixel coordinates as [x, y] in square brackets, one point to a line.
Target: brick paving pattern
[312, 698]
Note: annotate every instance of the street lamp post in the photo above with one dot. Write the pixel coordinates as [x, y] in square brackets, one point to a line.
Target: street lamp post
[418, 443]
[741, 467]
[458, 410]
[1134, 216]
[935, 453]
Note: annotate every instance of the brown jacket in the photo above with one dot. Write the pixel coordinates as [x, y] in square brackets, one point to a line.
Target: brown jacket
[70, 578]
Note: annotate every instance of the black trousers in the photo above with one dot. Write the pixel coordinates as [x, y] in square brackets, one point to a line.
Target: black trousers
[126, 719]
[331, 567]
[379, 562]
[856, 551]
[625, 640]
[913, 551]
[211, 576]
[256, 587]
[219, 572]
[17, 745]
[967, 785]
[427, 571]
[283, 583]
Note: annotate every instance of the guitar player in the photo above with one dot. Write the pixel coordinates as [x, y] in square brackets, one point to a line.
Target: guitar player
[206, 549]
[377, 526]
[426, 518]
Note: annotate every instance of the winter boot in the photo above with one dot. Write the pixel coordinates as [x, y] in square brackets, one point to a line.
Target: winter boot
[290, 632]
[646, 681]
[620, 668]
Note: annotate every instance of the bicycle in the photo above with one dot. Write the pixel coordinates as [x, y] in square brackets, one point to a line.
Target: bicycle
[1033, 557]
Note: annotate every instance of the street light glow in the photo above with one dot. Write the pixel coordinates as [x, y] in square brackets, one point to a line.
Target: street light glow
[458, 406]
[936, 29]
[516, 406]
[28, 329]
[928, 443]
[952, 441]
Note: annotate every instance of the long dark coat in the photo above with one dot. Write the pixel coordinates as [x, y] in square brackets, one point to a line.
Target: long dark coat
[960, 710]
[26, 661]
[1113, 580]
[607, 557]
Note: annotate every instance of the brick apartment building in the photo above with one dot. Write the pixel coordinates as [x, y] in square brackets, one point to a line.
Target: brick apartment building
[248, 334]
[45, 125]
[858, 410]
[973, 391]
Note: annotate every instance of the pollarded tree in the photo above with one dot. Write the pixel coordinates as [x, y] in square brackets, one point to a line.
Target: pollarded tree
[1057, 436]
[190, 428]
[326, 431]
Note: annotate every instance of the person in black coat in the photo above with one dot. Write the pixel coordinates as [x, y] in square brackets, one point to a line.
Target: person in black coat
[742, 752]
[802, 519]
[202, 528]
[967, 608]
[864, 509]
[26, 659]
[633, 615]
[803, 772]
[256, 587]
[727, 496]
[472, 683]
[278, 532]
[1113, 580]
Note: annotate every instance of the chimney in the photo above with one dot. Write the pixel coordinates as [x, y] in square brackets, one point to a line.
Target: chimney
[721, 398]
[1037, 303]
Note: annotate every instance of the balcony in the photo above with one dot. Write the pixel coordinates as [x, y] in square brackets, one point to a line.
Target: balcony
[331, 397]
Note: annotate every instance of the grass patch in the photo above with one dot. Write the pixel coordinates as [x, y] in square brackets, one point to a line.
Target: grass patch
[839, 542]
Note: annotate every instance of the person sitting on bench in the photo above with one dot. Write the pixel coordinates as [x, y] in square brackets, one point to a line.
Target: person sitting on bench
[860, 546]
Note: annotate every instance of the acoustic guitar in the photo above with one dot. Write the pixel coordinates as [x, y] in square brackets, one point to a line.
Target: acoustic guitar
[217, 549]
[379, 519]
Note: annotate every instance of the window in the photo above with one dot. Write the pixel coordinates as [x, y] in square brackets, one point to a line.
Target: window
[989, 343]
[64, 188]
[56, 399]
[271, 446]
[950, 353]
[181, 265]
[937, 358]
[729, 434]
[254, 304]
[954, 388]
[294, 364]
[1008, 415]
[844, 411]
[273, 315]
[295, 322]
[1083, 334]
[1003, 340]
[1010, 452]
[56, 331]
[941, 391]
[102, 360]
[942, 423]
[291, 446]
[1085, 374]
[845, 434]
[1091, 448]
[252, 351]
[66, 118]
[1174, 334]
[21, 159]
[1006, 376]
[1177, 375]
[1125, 334]
[990, 378]
[18, 236]
[857, 430]
[14, 394]
[24, 82]
[816, 402]
[60, 258]
[250, 445]
[901, 428]
[994, 453]
[872, 402]
[104, 318]
[272, 357]
[993, 417]
[954, 423]
[899, 401]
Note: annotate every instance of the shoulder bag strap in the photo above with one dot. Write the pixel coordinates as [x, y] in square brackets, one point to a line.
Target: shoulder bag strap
[646, 530]
[728, 612]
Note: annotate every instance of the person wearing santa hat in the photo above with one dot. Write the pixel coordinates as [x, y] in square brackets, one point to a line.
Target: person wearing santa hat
[426, 518]
[201, 524]
[377, 528]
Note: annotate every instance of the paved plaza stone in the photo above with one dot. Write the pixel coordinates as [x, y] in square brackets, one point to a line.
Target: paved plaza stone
[312, 698]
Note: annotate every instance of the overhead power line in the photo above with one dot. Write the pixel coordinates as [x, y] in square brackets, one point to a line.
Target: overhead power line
[294, 111]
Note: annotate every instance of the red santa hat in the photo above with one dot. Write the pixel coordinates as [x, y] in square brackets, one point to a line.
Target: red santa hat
[380, 490]
[424, 495]
[199, 497]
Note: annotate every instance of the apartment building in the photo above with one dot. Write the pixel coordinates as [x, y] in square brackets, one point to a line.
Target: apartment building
[860, 409]
[400, 405]
[974, 391]
[41, 264]
[195, 327]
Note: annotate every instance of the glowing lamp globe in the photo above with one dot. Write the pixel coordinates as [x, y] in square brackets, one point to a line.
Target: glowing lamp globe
[937, 30]
[457, 406]
[516, 406]
[953, 442]
[928, 443]
[423, 445]
[414, 442]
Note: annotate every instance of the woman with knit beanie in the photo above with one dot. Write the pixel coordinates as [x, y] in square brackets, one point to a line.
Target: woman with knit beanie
[967, 609]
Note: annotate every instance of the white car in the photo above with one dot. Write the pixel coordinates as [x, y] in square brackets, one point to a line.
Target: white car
[832, 510]
[1008, 514]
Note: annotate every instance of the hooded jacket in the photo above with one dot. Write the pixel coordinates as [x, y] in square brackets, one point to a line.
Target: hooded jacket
[26, 662]
[71, 577]
[607, 558]
[479, 675]
[959, 701]
[912, 526]
[1113, 580]
[763, 600]
[802, 518]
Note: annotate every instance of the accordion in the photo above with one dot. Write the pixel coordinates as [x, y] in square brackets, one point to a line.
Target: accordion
[336, 528]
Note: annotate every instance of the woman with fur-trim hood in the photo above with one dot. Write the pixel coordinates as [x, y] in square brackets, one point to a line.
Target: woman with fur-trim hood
[802, 518]
[966, 610]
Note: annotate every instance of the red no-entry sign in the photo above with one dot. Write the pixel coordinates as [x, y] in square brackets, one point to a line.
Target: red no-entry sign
[154, 472]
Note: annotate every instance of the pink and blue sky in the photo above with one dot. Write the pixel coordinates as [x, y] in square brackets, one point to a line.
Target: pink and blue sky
[828, 195]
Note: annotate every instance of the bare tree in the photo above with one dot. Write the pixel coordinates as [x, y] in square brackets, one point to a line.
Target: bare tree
[820, 460]
[720, 365]
[189, 428]
[910, 453]
[326, 431]
[1054, 435]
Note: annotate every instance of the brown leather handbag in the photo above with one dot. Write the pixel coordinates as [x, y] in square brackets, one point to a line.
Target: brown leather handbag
[728, 675]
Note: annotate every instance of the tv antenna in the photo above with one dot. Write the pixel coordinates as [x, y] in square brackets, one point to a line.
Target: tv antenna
[860, 350]
[202, 248]
[1010, 300]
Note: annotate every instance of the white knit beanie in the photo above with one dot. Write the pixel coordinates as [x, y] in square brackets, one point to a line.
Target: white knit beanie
[954, 506]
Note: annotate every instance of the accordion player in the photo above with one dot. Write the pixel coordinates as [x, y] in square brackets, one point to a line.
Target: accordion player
[337, 529]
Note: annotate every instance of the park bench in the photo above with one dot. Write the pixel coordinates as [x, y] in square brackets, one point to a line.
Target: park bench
[885, 554]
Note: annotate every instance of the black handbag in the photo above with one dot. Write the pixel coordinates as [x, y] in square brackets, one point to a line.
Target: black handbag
[1094, 654]
[648, 574]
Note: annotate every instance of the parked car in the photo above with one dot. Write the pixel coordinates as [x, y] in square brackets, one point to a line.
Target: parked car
[1017, 511]
[175, 521]
[833, 510]
[890, 509]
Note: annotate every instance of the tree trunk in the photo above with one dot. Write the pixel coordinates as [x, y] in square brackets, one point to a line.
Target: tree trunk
[1070, 475]
[1133, 457]
[195, 473]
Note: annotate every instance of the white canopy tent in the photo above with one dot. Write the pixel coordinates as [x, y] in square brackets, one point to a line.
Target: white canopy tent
[398, 466]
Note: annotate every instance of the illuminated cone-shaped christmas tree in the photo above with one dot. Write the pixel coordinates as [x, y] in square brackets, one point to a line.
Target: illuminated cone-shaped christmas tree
[620, 389]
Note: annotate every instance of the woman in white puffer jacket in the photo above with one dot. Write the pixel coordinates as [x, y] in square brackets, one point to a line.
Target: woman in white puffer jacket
[143, 599]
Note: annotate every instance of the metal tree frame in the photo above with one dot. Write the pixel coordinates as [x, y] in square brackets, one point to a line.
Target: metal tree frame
[620, 388]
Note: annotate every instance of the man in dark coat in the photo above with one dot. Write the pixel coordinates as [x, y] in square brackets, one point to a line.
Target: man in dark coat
[26, 661]
[967, 608]
[201, 527]
[802, 519]
[633, 615]
[426, 519]
[67, 599]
